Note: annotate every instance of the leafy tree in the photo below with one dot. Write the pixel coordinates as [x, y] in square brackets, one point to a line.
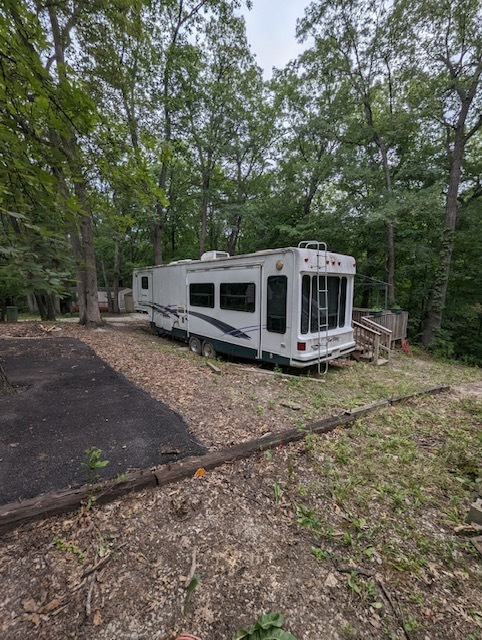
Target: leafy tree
[445, 58]
[49, 112]
[356, 41]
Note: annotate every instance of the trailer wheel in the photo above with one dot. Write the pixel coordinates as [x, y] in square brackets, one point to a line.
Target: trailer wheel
[208, 350]
[195, 345]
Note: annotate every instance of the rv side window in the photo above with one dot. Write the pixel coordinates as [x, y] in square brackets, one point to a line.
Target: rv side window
[201, 295]
[237, 296]
[305, 304]
[145, 282]
[341, 322]
[276, 304]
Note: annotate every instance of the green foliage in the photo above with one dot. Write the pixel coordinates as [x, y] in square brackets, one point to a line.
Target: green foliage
[160, 113]
[69, 547]
[94, 463]
[191, 587]
[267, 627]
[319, 554]
[442, 345]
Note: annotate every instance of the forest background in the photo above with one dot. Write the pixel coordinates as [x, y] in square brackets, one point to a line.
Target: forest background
[137, 132]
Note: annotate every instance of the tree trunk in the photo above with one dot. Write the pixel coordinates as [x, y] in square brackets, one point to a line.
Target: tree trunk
[110, 307]
[50, 303]
[42, 307]
[438, 292]
[389, 231]
[157, 229]
[206, 183]
[204, 214]
[390, 246]
[92, 311]
[116, 276]
[234, 235]
[6, 388]
[89, 313]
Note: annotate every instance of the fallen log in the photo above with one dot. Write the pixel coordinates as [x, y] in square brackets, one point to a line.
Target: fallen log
[49, 504]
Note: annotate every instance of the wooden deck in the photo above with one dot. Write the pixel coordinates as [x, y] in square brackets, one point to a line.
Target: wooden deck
[395, 322]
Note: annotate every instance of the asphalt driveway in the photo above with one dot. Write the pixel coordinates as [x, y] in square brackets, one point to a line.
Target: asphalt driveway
[69, 400]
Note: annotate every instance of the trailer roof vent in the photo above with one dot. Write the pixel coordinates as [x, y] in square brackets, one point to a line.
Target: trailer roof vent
[214, 255]
[181, 261]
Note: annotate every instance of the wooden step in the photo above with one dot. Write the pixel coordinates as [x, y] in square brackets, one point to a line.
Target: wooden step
[381, 361]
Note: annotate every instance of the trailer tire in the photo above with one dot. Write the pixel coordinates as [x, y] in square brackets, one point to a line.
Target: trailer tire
[195, 345]
[208, 350]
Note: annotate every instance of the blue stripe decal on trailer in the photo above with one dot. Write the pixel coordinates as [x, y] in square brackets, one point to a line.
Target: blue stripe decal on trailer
[165, 311]
[227, 329]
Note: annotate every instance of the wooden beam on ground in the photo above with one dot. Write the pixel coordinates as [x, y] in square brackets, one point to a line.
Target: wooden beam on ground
[55, 502]
[278, 374]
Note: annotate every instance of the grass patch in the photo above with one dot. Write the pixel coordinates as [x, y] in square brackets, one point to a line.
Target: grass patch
[389, 493]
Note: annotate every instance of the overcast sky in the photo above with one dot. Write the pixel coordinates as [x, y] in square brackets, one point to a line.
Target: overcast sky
[270, 27]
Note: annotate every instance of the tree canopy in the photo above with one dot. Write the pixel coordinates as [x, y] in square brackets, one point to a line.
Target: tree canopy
[135, 133]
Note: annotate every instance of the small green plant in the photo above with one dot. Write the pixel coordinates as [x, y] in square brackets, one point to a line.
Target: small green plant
[267, 627]
[89, 502]
[122, 477]
[189, 591]
[319, 554]
[277, 492]
[259, 410]
[94, 463]
[410, 624]
[349, 632]
[69, 547]
[268, 454]
[366, 589]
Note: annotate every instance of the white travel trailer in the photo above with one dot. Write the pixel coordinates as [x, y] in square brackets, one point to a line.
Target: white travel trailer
[288, 306]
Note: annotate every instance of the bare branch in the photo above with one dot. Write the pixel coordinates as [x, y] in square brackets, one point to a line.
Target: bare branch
[474, 128]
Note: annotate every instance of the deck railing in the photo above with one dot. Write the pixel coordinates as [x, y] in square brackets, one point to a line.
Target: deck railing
[367, 340]
[385, 340]
[395, 322]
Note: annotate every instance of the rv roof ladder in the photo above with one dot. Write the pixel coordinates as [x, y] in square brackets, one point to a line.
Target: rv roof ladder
[322, 297]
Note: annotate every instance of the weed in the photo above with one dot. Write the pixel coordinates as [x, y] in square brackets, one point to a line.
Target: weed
[268, 454]
[277, 492]
[94, 463]
[417, 598]
[365, 589]
[91, 499]
[349, 632]
[267, 627]
[189, 591]
[410, 624]
[319, 554]
[103, 546]
[259, 410]
[69, 547]
[291, 471]
[453, 515]
[307, 518]
[122, 477]
[302, 491]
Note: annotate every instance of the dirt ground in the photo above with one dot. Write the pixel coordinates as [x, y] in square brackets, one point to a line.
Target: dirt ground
[357, 534]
